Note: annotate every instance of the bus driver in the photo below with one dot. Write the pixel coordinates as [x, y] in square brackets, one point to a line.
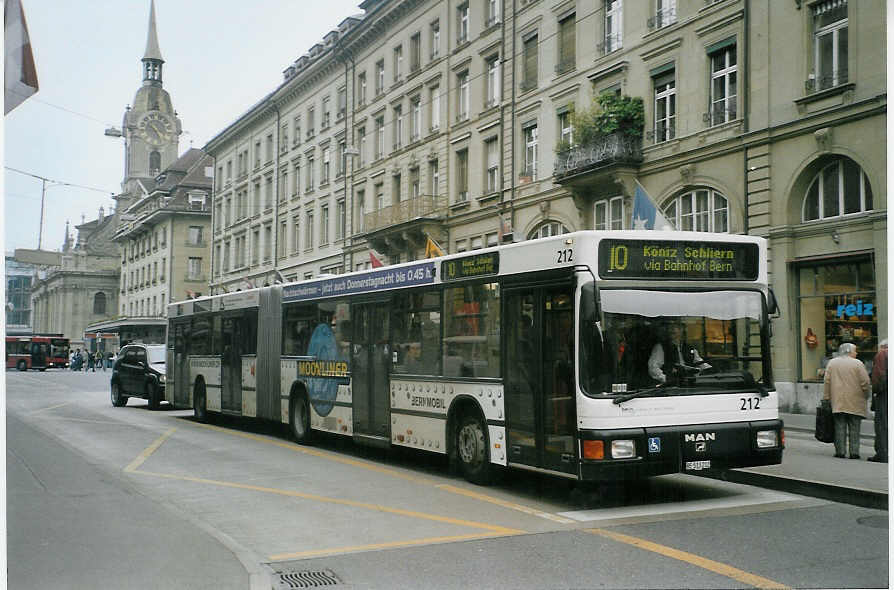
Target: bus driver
[671, 355]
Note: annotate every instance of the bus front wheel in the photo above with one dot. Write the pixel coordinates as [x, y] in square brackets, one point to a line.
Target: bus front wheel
[473, 450]
[200, 412]
[299, 418]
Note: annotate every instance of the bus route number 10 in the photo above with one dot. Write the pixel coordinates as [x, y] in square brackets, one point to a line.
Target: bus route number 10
[618, 258]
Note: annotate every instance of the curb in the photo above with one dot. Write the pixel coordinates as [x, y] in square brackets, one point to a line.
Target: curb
[825, 491]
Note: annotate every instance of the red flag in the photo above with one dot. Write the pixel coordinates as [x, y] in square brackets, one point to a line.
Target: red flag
[20, 75]
[376, 263]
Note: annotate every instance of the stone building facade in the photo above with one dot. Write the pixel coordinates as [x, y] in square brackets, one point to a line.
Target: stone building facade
[452, 121]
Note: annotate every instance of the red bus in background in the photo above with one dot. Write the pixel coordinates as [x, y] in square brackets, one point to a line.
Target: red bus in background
[37, 351]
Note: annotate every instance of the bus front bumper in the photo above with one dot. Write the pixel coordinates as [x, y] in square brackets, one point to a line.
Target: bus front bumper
[679, 449]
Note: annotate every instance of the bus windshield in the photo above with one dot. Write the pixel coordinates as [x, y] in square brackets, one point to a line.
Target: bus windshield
[675, 342]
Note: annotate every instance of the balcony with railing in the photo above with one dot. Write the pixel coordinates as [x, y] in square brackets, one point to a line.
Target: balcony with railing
[603, 154]
[421, 207]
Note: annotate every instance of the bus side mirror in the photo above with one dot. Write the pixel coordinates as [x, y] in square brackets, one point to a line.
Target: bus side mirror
[772, 305]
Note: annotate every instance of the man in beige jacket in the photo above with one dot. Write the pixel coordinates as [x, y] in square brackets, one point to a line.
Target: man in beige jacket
[847, 385]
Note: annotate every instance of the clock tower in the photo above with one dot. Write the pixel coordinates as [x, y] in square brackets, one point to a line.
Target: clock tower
[151, 127]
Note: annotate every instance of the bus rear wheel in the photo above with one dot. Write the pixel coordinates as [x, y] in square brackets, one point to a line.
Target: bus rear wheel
[473, 450]
[299, 418]
[22, 365]
[200, 412]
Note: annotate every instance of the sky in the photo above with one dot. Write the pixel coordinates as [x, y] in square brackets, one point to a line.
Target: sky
[221, 57]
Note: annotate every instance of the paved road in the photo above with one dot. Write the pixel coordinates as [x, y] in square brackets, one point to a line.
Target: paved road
[232, 504]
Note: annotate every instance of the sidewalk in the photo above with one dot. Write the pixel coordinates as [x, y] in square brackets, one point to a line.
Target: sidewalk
[809, 468]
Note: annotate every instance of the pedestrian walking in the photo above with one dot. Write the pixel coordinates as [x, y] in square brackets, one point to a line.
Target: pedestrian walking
[90, 366]
[846, 384]
[97, 362]
[880, 402]
[83, 365]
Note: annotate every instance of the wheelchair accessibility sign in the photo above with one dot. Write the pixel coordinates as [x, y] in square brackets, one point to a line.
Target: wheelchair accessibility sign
[654, 444]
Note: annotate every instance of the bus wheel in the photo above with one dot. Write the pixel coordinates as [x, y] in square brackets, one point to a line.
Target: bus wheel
[118, 400]
[152, 396]
[198, 403]
[21, 365]
[473, 451]
[299, 418]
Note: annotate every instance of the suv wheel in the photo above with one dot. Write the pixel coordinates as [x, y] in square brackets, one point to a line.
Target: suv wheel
[118, 398]
[152, 396]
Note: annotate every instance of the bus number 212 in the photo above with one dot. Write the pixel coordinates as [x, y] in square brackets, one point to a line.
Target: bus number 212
[566, 255]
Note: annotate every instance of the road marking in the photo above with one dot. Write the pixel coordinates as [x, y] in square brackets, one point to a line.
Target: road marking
[48, 408]
[379, 546]
[141, 458]
[393, 473]
[702, 562]
[663, 509]
[504, 503]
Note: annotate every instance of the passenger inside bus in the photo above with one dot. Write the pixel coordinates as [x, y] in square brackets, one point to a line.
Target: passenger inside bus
[673, 360]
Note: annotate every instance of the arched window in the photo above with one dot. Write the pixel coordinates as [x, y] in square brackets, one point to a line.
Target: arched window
[702, 209]
[154, 161]
[548, 228]
[99, 304]
[840, 188]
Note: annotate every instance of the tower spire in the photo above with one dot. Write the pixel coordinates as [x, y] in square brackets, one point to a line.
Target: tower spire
[152, 59]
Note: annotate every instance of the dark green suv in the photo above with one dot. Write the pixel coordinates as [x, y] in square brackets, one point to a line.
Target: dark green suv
[139, 371]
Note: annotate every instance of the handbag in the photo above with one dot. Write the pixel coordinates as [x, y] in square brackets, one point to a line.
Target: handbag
[825, 427]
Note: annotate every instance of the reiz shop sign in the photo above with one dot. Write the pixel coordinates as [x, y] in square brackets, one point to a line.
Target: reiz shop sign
[858, 309]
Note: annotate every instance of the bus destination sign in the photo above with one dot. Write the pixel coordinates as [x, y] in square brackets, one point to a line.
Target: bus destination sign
[677, 260]
[470, 267]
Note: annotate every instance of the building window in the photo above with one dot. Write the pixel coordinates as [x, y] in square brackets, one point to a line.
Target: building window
[434, 177]
[837, 304]
[398, 126]
[529, 58]
[492, 166]
[395, 189]
[99, 304]
[340, 161]
[462, 176]
[341, 219]
[492, 12]
[493, 81]
[609, 213]
[830, 44]
[434, 114]
[380, 138]
[416, 125]
[665, 107]
[702, 209]
[296, 234]
[530, 140]
[155, 162]
[324, 124]
[379, 190]
[414, 182]
[547, 229]
[840, 188]
[361, 89]
[268, 242]
[194, 268]
[462, 23]
[268, 152]
[435, 39]
[566, 126]
[665, 14]
[462, 85]
[255, 246]
[324, 224]
[361, 210]
[415, 51]
[268, 193]
[567, 47]
[398, 63]
[361, 140]
[282, 239]
[324, 166]
[342, 98]
[723, 86]
[614, 22]
[309, 180]
[194, 235]
[380, 77]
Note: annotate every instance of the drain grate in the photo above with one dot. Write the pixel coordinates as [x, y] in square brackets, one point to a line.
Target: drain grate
[306, 579]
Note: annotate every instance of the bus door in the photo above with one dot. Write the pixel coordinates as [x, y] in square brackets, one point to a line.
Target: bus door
[38, 355]
[180, 363]
[370, 363]
[540, 392]
[231, 363]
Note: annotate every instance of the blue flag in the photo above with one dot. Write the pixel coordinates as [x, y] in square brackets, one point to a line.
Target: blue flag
[645, 213]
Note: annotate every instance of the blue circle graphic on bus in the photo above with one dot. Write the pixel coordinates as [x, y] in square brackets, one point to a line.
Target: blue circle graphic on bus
[325, 372]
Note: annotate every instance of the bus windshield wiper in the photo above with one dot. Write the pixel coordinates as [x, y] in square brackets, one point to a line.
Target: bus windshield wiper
[638, 393]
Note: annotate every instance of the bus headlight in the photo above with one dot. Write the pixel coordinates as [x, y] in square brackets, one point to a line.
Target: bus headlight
[767, 439]
[623, 449]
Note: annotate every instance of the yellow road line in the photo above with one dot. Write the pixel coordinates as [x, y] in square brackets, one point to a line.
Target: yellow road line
[48, 408]
[377, 546]
[141, 458]
[324, 499]
[392, 473]
[702, 562]
[505, 503]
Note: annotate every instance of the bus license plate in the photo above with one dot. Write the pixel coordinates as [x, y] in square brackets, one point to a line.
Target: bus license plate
[697, 465]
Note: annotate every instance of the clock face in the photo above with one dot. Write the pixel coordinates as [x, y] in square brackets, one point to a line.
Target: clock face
[155, 128]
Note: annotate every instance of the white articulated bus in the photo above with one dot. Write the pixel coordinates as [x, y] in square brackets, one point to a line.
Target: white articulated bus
[591, 355]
